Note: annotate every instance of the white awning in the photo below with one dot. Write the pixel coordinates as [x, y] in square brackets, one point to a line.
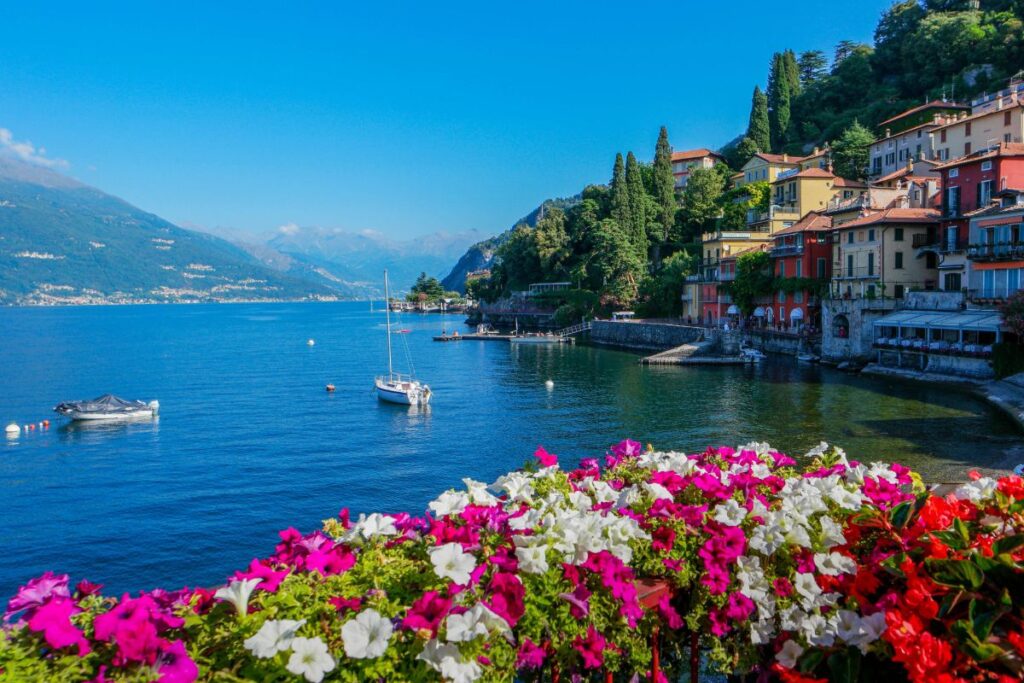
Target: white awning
[797, 314]
[733, 310]
[758, 312]
[976, 320]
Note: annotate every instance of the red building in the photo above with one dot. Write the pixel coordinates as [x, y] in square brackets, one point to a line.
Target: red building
[801, 251]
[970, 183]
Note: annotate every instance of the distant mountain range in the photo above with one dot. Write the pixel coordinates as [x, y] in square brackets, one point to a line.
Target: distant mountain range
[64, 242]
[481, 255]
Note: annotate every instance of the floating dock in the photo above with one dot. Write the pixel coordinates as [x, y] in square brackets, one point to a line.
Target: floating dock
[691, 354]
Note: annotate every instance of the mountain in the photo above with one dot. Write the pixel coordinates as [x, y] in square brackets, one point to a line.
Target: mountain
[62, 241]
[359, 258]
[481, 255]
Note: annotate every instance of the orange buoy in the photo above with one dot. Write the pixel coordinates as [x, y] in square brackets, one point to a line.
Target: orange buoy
[330, 388]
[46, 424]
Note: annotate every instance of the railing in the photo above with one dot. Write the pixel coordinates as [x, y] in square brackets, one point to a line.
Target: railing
[788, 250]
[854, 273]
[998, 251]
[584, 326]
[860, 201]
[925, 241]
[985, 296]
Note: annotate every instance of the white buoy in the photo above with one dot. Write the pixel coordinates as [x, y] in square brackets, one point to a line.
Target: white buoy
[12, 430]
[310, 342]
[549, 384]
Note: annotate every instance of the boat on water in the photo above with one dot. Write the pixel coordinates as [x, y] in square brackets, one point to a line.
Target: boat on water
[107, 407]
[805, 357]
[395, 387]
[752, 355]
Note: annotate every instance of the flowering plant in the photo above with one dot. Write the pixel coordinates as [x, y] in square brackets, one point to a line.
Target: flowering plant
[839, 570]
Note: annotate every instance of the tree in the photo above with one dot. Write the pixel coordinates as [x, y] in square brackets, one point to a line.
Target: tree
[758, 127]
[519, 259]
[701, 200]
[614, 261]
[778, 102]
[737, 201]
[813, 66]
[426, 288]
[660, 293]
[664, 191]
[844, 48]
[850, 152]
[744, 150]
[620, 193]
[553, 246]
[792, 72]
[753, 280]
[638, 204]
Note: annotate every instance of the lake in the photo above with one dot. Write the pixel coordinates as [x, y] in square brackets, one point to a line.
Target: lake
[248, 442]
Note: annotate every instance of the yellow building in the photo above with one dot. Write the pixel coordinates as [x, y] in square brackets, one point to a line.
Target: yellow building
[994, 119]
[763, 167]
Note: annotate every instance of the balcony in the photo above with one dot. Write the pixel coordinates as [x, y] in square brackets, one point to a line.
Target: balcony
[782, 211]
[999, 251]
[858, 202]
[921, 241]
[787, 250]
[856, 273]
[734, 235]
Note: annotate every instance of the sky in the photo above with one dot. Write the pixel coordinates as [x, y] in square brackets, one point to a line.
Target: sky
[401, 117]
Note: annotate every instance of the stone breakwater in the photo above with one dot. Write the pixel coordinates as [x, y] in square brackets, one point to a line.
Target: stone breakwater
[643, 336]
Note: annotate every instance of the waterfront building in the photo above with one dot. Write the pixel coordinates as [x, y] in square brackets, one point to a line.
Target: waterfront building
[995, 249]
[874, 256]
[994, 119]
[684, 163]
[969, 184]
[716, 303]
[906, 136]
[802, 253]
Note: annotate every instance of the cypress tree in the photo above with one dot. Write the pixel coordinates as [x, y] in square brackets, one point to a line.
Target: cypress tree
[792, 72]
[620, 194]
[758, 128]
[637, 207]
[664, 185]
[778, 102]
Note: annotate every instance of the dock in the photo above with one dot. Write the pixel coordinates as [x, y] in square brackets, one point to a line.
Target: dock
[691, 354]
[472, 337]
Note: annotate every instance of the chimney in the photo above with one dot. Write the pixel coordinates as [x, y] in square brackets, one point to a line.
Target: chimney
[816, 152]
[910, 164]
[888, 133]
[785, 157]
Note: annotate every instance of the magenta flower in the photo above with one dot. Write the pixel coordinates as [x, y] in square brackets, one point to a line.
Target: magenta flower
[53, 620]
[719, 623]
[668, 613]
[506, 599]
[591, 648]
[531, 655]
[345, 604]
[783, 587]
[546, 459]
[739, 607]
[579, 601]
[269, 579]
[86, 588]
[174, 664]
[427, 613]
[663, 539]
[38, 591]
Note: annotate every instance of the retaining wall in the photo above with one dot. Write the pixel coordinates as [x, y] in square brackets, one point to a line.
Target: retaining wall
[642, 336]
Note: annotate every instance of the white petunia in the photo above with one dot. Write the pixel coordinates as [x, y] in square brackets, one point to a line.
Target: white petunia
[789, 654]
[831, 532]
[434, 652]
[237, 593]
[274, 636]
[450, 562]
[517, 485]
[532, 559]
[807, 587]
[478, 621]
[478, 492]
[834, 564]
[310, 659]
[730, 513]
[817, 630]
[377, 524]
[977, 490]
[366, 636]
[449, 503]
[658, 492]
[460, 671]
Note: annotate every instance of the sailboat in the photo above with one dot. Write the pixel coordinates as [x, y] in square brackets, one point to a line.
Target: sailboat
[395, 387]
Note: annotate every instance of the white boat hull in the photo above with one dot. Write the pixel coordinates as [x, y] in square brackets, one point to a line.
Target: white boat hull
[110, 417]
[404, 393]
[535, 340]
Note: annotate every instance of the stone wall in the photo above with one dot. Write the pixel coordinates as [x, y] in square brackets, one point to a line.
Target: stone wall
[860, 315]
[936, 364]
[788, 344]
[643, 336]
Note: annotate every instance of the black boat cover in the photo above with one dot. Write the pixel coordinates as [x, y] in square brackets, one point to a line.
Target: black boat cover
[107, 403]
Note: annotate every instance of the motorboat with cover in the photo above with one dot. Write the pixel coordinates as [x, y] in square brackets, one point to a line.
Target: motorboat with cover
[107, 407]
[395, 387]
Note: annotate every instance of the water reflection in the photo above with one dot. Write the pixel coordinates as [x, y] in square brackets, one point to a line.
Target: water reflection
[97, 431]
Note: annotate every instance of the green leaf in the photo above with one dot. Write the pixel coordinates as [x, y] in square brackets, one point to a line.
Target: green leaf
[900, 514]
[956, 573]
[810, 660]
[982, 619]
[961, 528]
[950, 538]
[1008, 544]
[893, 562]
[845, 666]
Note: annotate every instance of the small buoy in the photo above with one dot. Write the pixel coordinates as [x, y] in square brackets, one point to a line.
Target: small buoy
[549, 384]
[32, 428]
[310, 342]
[330, 388]
[46, 424]
[12, 430]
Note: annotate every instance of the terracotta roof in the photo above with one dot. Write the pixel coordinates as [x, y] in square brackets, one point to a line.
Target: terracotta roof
[846, 182]
[934, 104]
[979, 115]
[735, 255]
[813, 173]
[778, 158]
[688, 154]
[893, 216]
[1005, 149]
[814, 221]
[903, 132]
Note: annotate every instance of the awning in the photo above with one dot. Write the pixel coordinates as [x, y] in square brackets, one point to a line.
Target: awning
[797, 314]
[733, 310]
[758, 312]
[980, 320]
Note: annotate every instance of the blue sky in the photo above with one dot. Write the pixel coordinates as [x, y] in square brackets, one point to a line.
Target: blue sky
[402, 117]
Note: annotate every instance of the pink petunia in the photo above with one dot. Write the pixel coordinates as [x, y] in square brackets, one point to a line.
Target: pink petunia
[427, 613]
[269, 579]
[53, 620]
[174, 665]
[38, 591]
[546, 459]
[530, 656]
[668, 613]
[506, 597]
[579, 601]
[591, 648]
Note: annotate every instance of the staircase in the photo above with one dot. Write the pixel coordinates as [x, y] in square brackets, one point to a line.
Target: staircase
[575, 329]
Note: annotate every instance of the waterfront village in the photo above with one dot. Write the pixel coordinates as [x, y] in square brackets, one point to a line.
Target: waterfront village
[905, 270]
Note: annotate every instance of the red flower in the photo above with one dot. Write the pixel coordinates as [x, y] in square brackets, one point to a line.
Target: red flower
[1012, 486]
[591, 648]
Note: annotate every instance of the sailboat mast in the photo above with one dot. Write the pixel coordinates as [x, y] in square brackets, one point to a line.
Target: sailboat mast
[387, 311]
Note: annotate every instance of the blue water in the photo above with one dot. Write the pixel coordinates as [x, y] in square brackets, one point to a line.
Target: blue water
[248, 442]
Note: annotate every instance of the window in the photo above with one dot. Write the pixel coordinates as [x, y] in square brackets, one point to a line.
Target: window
[919, 135]
[782, 313]
[984, 193]
[799, 269]
[897, 235]
[954, 172]
[1007, 137]
[1012, 280]
[782, 299]
[1006, 118]
[951, 283]
[942, 135]
[821, 267]
[899, 260]
[967, 148]
[986, 165]
[897, 291]
[798, 297]
[849, 237]
[871, 263]
[782, 269]
[967, 128]
[988, 283]
[871, 235]
[890, 158]
[849, 265]
[953, 201]
[917, 152]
